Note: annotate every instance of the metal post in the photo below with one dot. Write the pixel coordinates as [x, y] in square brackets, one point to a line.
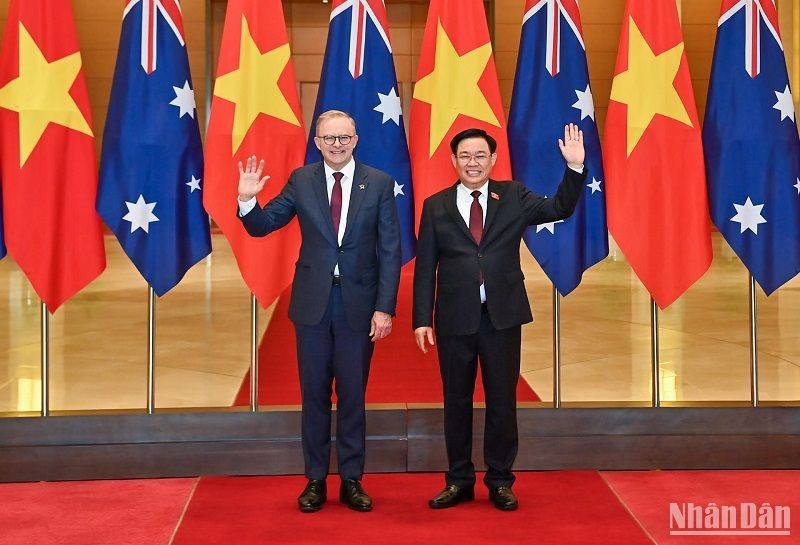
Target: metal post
[45, 344]
[556, 349]
[253, 354]
[151, 351]
[656, 372]
[753, 344]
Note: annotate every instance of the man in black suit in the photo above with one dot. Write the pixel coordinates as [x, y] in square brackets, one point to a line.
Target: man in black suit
[344, 292]
[468, 270]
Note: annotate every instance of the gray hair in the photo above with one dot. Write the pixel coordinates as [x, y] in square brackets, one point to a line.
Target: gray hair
[331, 114]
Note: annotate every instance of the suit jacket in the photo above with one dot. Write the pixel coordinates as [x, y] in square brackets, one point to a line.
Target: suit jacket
[450, 263]
[368, 258]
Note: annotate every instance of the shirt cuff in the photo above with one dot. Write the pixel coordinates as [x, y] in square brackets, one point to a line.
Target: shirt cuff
[578, 170]
[246, 206]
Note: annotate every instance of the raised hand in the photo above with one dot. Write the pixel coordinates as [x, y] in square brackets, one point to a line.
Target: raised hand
[572, 145]
[250, 180]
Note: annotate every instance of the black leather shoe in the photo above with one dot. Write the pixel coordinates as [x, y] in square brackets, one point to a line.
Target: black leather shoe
[352, 494]
[503, 498]
[451, 496]
[313, 496]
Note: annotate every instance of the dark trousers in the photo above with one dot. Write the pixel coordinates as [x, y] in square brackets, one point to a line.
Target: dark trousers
[327, 351]
[499, 354]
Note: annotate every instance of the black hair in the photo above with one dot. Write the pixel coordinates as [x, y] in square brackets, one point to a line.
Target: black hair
[473, 133]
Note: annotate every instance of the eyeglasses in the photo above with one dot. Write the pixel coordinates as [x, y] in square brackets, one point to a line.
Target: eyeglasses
[465, 158]
[330, 139]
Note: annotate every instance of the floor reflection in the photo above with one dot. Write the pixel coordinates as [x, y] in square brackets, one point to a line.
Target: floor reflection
[98, 339]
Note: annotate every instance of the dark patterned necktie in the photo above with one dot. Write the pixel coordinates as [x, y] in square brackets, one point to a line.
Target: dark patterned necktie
[336, 202]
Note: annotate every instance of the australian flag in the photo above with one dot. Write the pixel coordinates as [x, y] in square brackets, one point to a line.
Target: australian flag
[551, 90]
[152, 163]
[358, 77]
[751, 144]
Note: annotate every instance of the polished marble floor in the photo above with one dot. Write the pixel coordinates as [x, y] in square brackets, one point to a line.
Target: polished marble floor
[98, 347]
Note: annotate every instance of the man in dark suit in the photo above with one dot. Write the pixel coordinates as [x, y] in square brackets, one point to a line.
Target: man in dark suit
[344, 293]
[468, 270]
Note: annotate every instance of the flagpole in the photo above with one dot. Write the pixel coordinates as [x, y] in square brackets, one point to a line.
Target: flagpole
[556, 348]
[253, 353]
[753, 344]
[656, 372]
[45, 343]
[151, 351]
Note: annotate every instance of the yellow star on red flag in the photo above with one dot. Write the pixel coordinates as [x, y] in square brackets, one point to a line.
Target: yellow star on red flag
[47, 152]
[452, 87]
[656, 195]
[646, 86]
[253, 87]
[40, 94]
[255, 111]
[457, 89]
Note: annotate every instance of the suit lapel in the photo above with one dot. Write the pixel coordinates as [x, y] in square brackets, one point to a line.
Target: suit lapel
[358, 189]
[492, 205]
[452, 209]
[321, 194]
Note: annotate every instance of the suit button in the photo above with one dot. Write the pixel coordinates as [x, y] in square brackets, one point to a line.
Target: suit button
[480, 255]
[341, 251]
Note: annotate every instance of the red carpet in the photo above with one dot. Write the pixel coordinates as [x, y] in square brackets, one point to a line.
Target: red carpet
[92, 512]
[648, 494]
[558, 508]
[400, 373]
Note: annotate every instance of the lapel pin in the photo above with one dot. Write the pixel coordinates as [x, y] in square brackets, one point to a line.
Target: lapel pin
[495, 196]
[362, 186]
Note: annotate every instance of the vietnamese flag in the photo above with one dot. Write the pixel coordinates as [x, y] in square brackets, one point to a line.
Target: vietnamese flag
[456, 89]
[653, 155]
[255, 111]
[47, 154]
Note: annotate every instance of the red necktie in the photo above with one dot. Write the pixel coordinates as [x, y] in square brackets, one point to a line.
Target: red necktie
[476, 218]
[336, 202]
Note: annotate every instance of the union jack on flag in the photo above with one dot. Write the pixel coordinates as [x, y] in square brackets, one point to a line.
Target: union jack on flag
[170, 10]
[554, 10]
[152, 163]
[751, 144]
[552, 89]
[756, 13]
[358, 77]
[360, 11]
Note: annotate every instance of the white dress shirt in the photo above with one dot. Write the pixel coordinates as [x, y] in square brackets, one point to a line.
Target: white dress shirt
[347, 184]
[464, 203]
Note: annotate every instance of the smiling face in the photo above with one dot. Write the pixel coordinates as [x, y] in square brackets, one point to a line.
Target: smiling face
[336, 155]
[473, 162]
